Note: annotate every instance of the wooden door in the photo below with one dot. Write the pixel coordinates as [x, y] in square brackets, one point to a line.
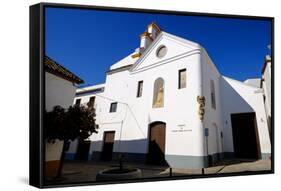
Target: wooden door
[157, 138]
[108, 143]
[245, 135]
[83, 150]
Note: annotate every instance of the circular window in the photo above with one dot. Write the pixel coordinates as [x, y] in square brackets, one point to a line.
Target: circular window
[161, 52]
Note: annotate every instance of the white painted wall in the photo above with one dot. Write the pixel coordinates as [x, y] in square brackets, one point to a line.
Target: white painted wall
[180, 105]
[255, 82]
[266, 84]
[212, 118]
[58, 91]
[73, 147]
[53, 150]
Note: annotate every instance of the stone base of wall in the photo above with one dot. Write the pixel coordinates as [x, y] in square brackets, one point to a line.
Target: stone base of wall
[174, 161]
[69, 156]
[188, 162]
[131, 157]
[127, 157]
[266, 156]
[228, 155]
[95, 156]
[231, 155]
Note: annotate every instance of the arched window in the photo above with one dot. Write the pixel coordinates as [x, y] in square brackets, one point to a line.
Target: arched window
[158, 94]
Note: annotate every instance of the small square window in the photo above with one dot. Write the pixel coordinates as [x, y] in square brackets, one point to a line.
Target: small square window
[91, 101]
[113, 107]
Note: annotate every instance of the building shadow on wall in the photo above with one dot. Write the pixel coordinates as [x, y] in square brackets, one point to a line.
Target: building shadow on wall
[232, 99]
[119, 150]
[241, 122]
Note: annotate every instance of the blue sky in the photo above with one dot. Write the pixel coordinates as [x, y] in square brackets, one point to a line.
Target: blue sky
[88, 42]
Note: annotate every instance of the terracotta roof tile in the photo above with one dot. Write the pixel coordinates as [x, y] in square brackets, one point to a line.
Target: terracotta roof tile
[57, 69]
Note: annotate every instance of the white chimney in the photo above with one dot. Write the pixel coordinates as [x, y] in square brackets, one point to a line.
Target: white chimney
[267, 58]
[145, 40]
[153, 30]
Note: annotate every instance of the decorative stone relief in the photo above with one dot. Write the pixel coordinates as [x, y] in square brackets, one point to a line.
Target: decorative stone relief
[201, 101]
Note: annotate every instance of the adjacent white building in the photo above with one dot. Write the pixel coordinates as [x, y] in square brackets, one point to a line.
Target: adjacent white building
[60, 85]
[60, 90]
[168, 103]
[266, 86]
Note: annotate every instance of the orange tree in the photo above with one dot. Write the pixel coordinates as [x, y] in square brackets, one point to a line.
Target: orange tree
[77, 122]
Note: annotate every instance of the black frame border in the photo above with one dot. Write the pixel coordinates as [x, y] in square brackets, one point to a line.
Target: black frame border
[37, 92]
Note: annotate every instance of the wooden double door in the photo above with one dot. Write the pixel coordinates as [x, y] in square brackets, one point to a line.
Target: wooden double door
[157, 139]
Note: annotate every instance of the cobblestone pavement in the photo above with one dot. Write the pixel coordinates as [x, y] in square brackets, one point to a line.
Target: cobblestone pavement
[85, 171]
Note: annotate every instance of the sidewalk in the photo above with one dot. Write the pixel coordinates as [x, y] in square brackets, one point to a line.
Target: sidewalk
[85, 171]
[227, 167]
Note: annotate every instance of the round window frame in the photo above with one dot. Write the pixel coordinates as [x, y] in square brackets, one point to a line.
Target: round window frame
[158, 50]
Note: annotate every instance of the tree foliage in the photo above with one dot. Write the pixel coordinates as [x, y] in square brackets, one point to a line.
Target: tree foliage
[75, 122]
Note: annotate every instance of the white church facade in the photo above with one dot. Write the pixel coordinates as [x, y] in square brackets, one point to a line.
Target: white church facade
[167, 103]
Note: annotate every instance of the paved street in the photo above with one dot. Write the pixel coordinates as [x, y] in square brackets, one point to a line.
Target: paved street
[81, 171]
